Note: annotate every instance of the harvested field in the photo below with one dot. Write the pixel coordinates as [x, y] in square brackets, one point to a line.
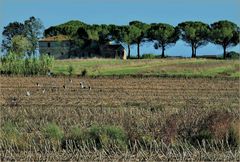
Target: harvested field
[145, 108]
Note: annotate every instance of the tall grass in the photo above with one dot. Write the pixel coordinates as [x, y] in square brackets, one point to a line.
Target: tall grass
[12, 64]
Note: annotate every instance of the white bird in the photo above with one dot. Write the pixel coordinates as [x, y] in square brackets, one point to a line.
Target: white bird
[14, 101]
[43, 91]
[70, 80]
[81, 85]
[38, 84]
[28, 93]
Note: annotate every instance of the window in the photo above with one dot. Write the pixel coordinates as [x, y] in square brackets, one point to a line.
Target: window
[49, 45]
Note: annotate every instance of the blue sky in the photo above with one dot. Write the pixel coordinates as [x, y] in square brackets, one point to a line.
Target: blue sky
[120, 12]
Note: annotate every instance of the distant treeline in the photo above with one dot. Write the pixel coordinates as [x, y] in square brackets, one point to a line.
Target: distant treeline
[194, 33]
[23, 37]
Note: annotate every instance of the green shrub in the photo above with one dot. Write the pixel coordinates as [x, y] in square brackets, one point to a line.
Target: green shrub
[84, 72]
[13, 64]
[148, 56]
[234, 134]
[53, 132]
[233, 55]
[13, 138]
[203, 135]
[10, 131]
[70, 69]
[76, 133]
[107, 136]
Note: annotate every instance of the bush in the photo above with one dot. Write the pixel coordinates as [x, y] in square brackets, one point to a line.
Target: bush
[13, 138]
[107, 136]
[84, 72]
[10, 131]
[148, 56]
[234, 134]
[233, 55]
[13, 64]
[76, 133]
[53, 132]
[70, 70]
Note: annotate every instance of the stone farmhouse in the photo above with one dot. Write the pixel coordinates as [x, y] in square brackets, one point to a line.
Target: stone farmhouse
[60, 47]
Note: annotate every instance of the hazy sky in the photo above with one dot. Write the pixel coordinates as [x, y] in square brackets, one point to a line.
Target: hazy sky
[53, 12]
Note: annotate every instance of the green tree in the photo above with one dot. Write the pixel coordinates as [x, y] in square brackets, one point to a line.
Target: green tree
[195, 34]
[20, 45]
[164, 34]
[137, 33]
[225, 34]
[33, 29]
[69, 28]
[122, 34]
[127, 39]
[9, 31]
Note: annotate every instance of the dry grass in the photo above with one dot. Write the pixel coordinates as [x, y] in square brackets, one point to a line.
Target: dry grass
[163, 118]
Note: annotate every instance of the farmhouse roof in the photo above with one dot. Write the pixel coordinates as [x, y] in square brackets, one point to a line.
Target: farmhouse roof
[55, 38]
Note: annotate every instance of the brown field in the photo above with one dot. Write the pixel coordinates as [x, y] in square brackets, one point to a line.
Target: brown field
[160, 109]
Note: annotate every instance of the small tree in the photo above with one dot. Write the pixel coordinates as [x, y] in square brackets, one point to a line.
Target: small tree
[195, 34]
[11, 30]
[20, 45]
[33, 29]
[137, 34]
[70, 70]
[225, 34]
[164, 34]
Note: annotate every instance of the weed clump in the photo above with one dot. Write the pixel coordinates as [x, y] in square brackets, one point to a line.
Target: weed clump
[70, 70]
[53, 132]
[84, 72]
[107, 136]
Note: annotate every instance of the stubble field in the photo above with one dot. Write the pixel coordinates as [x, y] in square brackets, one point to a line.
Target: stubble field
[162, 118]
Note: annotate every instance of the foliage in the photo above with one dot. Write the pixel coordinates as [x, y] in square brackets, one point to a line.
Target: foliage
[69, 28]
[195, 34]
[70, 70]
[225, 34]
[122, 34]
[76, 133]
[13, 64]
[11, 30]
[84, 72]
[233, 55]
[52, 132]
[148, 56]
[20, 45]
[10, 131]
[164, 34]
[97, 136]
[234, 134]
[137, 33]
[107, 136]
[33, 29]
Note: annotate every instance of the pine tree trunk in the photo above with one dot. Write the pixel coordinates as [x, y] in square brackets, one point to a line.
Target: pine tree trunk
[129, 51]
[195, 52]
[138, 50]
[193, 55]
[224, 52]
[163, 51]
